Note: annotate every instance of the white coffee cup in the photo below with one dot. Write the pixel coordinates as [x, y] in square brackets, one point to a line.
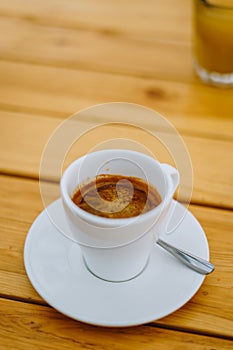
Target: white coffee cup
[117, 249]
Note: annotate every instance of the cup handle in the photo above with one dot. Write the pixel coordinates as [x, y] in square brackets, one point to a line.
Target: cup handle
[174, 177]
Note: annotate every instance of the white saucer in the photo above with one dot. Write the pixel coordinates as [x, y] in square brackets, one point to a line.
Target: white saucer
[56, 270]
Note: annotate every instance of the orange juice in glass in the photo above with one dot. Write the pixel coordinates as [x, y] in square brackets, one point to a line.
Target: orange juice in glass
[213, 41]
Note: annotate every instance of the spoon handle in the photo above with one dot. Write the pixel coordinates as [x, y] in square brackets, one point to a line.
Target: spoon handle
[198, 264]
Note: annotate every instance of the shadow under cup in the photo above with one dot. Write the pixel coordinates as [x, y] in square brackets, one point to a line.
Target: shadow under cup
[117, 249]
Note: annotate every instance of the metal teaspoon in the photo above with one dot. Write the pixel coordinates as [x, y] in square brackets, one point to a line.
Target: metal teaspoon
[193, 262]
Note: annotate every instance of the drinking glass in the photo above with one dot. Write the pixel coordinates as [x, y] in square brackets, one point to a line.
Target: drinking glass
[213, 41]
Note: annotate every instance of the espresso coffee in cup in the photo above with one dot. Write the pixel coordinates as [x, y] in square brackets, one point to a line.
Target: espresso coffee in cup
[116, 196]
[117, 248]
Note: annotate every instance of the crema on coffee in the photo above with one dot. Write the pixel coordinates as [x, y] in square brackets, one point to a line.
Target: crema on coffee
[116, 196]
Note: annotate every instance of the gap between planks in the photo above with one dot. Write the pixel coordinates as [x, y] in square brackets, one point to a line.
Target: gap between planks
[155, 324]
[57, 182]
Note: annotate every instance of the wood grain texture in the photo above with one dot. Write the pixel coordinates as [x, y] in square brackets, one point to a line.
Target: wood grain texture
[25, 326]
[148, 18]
[198, 110]
[60, 56]
[210, 310]
[137, 55]
[25, 137]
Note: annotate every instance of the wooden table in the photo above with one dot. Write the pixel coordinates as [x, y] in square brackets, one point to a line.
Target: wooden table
[57, 57]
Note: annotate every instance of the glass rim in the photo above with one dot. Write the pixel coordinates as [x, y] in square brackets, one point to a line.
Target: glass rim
[207, 3]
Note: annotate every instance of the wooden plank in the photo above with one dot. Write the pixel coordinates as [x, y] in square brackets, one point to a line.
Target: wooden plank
[196, 110]
[26, 326]
[169, 19]
[209, 311]
[25, 137]
[17, 286]
[25, 41]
